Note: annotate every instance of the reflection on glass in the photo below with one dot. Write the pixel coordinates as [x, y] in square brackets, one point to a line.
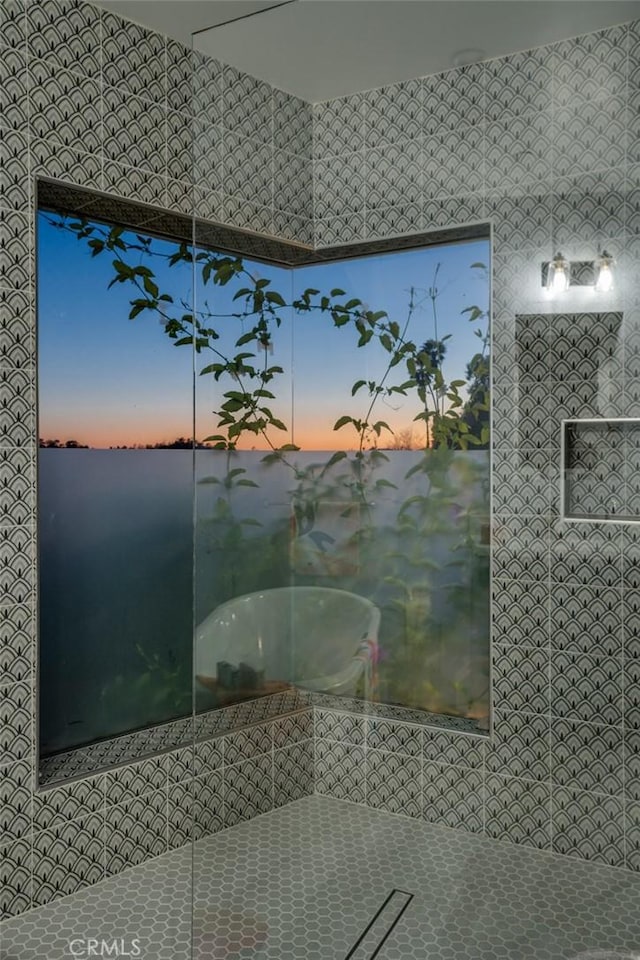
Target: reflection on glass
[317, 638]
[341, 474]
[380, 492]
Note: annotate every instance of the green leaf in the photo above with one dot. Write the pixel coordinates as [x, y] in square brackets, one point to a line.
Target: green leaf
[356, 386]
[181, 254]
[411, 500]
[417, 468]
[342, 422]
[337, 456]
[150, 287]
[340, 319]
[381, 425]
[274, 297]
[384, 483]
[213, 368]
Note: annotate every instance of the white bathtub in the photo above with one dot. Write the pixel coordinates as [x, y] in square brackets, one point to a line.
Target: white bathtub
[315, 638]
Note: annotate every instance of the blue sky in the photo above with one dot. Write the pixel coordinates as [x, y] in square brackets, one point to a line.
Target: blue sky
[105, 380]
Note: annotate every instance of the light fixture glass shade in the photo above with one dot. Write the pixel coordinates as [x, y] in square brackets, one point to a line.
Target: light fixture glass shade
[558, 275]
[604, 280]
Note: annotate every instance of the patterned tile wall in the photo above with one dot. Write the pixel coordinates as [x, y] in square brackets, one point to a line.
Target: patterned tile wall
[60, 840]
[164, 737]
[546, 145]
[99, 102]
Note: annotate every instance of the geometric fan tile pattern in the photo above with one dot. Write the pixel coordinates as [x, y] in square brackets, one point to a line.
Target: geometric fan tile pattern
[99, 102]
[58, 840]
[544, 145]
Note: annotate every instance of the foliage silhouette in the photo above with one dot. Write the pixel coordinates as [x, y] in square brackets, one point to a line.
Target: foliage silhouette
[442, 505]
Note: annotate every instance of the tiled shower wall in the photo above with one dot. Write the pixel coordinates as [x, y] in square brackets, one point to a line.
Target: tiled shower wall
[546, 145]
[94, 100]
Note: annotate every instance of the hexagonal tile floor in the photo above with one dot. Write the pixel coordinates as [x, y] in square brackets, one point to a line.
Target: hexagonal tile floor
[303, 882]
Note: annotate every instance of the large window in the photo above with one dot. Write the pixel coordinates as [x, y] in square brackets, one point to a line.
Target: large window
[337, 454]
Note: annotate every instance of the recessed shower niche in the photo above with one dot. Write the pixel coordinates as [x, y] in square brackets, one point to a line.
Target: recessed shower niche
[600, 476]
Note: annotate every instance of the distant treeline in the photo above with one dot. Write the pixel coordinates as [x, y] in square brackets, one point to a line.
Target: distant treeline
[67, 445]
[182, 443]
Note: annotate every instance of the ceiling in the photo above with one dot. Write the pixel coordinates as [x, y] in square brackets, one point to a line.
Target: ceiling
[318, 49]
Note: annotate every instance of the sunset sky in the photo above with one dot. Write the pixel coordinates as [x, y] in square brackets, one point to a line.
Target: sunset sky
[105, 380]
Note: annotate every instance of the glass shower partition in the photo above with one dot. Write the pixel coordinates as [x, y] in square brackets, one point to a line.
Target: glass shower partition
[243, 670]
[242, 512]
[113, 787]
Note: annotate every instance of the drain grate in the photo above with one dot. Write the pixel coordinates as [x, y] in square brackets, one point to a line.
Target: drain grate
[372, 938]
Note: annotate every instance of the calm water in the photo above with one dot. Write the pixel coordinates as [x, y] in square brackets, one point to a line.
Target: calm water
[115, 575]
[116, 550]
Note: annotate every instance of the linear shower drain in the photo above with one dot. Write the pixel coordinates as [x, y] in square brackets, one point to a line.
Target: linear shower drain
[372, 938]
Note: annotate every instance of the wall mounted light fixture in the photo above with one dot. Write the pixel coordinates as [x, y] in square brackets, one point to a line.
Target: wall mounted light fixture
[559, 274]
[604, 280]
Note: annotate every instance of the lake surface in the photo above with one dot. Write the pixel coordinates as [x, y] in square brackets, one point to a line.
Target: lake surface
[118, 593]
